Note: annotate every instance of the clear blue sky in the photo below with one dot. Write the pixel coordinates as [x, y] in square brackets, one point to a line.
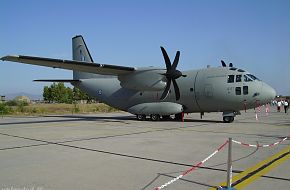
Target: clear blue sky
[253, 34]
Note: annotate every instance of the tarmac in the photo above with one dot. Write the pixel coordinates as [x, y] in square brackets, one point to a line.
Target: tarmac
[111, 151]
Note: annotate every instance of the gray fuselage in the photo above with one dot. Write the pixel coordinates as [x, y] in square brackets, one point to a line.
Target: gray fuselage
[205, 90]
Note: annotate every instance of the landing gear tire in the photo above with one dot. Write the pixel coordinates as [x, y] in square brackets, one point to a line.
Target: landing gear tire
[178, 117]
[141, 117]
[166, 117]
[155, 117]
[228, 119]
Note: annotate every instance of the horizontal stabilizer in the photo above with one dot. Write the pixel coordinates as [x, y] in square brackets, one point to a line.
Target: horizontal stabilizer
[56, 80]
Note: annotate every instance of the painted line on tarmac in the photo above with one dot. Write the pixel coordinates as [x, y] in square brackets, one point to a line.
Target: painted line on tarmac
[45, 143]
[25, 146]
[261, 168]
[253, 173]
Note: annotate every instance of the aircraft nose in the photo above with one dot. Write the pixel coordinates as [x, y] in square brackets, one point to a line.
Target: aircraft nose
[268, 93]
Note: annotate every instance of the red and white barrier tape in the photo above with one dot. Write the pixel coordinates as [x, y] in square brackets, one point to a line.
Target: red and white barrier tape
[261, 146]
[193, 168]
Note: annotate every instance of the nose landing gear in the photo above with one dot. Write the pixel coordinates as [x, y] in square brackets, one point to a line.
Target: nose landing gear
[229, 116]
[228, 119]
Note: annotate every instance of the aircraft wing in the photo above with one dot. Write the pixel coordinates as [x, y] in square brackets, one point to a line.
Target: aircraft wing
[88, 67]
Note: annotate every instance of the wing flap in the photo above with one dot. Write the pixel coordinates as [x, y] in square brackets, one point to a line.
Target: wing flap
[95, 68]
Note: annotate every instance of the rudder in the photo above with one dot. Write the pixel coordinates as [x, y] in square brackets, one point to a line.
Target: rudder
[80, 52]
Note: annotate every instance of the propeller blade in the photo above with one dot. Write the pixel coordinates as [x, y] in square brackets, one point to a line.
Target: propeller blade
[231, 65]
[171, 74]
[223, 63]
[166, 90]
[176, 60]
[176, 89]
[166, 59]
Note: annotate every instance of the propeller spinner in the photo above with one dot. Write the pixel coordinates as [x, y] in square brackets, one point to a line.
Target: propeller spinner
[171, 74]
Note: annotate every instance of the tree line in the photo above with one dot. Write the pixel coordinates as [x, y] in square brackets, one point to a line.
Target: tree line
[58, 93]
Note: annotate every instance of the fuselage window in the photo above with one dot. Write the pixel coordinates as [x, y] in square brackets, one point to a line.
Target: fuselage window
[238, 91]
[231, 78]
[245, 90]
[238, 78]
[247, 79]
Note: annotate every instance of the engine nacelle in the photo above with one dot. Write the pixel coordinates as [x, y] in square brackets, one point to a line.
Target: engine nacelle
[148, 80]
[161, 108]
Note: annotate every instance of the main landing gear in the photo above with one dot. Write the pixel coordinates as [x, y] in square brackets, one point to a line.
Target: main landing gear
[153, 117]
[157, 117]
[141, 117]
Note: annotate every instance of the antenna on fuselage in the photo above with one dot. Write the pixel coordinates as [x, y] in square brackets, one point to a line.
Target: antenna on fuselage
[224, 64]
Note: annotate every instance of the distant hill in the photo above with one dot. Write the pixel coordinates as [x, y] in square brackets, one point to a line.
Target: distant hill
[14, 95]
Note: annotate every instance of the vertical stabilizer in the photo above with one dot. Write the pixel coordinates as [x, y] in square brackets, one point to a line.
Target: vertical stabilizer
[80, 52]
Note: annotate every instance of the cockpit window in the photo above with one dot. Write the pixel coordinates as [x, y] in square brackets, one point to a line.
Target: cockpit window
[252, 77]
[241, 70]
[231, 78]
[238, 78]
[233, 68]
[247, 78]
[238, 91]
[245, 90]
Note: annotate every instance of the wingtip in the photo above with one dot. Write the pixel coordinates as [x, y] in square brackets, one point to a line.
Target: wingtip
[4, 58]
[8, 57]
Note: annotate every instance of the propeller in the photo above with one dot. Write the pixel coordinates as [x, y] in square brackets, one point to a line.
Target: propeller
[224, 64]
[171, 74]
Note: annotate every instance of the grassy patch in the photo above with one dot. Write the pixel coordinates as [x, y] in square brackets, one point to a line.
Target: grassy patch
[57, 109]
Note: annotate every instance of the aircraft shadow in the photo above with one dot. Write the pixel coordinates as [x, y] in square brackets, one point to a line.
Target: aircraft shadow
[121, 119]
[71, 118]
[202, 121]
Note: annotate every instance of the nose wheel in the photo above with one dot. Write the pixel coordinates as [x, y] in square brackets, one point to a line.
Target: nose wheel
[229, 116]
[228, 119]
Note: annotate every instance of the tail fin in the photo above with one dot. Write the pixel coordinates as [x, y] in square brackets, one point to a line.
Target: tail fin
[80, 52]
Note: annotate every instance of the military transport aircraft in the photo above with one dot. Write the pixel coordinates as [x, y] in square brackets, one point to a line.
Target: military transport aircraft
[157, 92]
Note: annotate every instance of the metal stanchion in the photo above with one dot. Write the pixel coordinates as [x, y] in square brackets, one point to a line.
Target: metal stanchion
[229, 169]
[230, 166]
